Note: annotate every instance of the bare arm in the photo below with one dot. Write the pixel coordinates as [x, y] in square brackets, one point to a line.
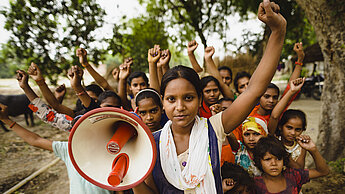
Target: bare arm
[153, 56]
[75, 74]
[301, 158]
[22, 78]
[321, 167]
[211, 68]
[82, 54]
[28, 136]
[163, 64]
[125, 70]
[233, 142]
[35, 73]
[296, 85]
[192, 45]
[298, 48]
[60, 92]
[242, 106]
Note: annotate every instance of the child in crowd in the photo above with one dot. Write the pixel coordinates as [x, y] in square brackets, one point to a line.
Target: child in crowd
[210, 94]
[136, 82]
[236, 180]
[272, 159]
[241, 82]
[269, 100]
[291, 125]
[150, 108]
[253, 128]
[187, 157]
[226, 74]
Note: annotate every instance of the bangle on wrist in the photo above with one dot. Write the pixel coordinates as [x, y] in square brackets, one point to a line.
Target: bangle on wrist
[80, 93]
[85, 65]
[12, 124]
[40, 81]
[298, 63]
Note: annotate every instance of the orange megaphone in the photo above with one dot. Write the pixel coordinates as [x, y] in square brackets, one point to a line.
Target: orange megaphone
[112, 148]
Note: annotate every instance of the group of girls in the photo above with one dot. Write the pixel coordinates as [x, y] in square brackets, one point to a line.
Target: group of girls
[189, 123]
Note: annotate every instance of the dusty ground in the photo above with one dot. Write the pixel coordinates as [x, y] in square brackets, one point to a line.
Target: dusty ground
[18, 160]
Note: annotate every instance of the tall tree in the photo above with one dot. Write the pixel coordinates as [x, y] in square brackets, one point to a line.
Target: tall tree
[328, 20]
[47, 31]
[298, 28]
[188, 18]
[134, 37]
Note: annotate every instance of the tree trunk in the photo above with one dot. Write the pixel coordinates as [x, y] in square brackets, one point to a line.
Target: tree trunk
[328, 20]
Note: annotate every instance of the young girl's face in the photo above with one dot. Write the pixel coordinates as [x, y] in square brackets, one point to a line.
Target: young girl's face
[269, 100]
[242, 84]
[250, 138]
[271, 165]
[181, 103]
[211, 93]
[150, 113]
[292, 129]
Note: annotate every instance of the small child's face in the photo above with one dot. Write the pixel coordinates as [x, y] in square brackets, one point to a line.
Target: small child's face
[137, 84]
[150, 113]
[242, 84]
[271, 165]
[292, 129]
[250, 138]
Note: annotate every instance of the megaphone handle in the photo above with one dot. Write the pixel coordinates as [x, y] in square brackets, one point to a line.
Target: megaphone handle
[119, 169]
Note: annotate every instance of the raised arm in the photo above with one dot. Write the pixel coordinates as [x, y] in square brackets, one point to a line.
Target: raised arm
[60, 92]
[163, 64]
[42, 110]
[296, 85]
[82, 54]
[153, 56]
[28, 136]
[321, 167]
[298, 48]
[36, 74]
[212, 69]
[242, 106]
[125, 70]
[192, 45]
[23, 78]
[75, 75]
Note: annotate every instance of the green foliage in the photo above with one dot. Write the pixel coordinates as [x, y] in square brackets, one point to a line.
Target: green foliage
[189, 18]
[135, 37]
[298, 28]
[46, 31]
[338, 165]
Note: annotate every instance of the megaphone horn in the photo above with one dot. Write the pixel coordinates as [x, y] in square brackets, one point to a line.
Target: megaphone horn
[112, 148]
